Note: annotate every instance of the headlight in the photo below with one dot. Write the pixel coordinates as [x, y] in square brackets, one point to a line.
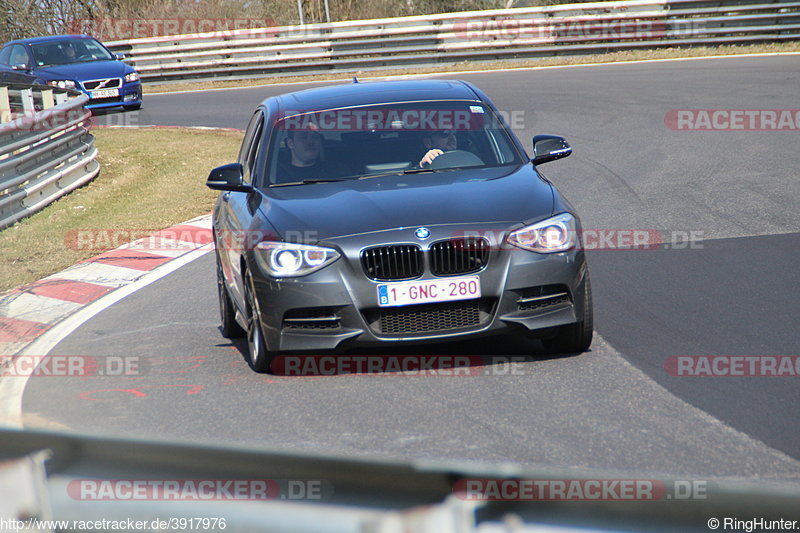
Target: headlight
[556, 234]
[62, 84]
[131, 76]
[286, 260]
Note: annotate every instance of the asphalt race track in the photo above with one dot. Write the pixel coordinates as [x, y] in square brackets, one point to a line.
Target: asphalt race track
[615, 408]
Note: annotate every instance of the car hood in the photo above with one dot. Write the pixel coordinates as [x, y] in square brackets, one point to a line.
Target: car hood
[327, 210]
[90, 70]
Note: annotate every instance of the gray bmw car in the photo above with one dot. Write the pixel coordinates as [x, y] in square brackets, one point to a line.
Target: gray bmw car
[379, 213]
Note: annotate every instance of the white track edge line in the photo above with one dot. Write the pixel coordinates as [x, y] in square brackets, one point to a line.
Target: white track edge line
[12, 388]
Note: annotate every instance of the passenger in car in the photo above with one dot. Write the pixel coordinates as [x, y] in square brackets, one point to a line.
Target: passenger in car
[437, 143]
[69, 53]
[18, 56]
[306, 158]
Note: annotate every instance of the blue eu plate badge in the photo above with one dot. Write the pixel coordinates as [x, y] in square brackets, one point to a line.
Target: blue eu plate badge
[383, 294]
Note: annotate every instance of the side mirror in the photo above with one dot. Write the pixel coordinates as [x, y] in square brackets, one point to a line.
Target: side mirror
[20, 66]
[549, 148]
[228, 178]
[119, 57]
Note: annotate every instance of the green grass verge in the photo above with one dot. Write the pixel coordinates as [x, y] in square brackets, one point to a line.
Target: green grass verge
[149, 179]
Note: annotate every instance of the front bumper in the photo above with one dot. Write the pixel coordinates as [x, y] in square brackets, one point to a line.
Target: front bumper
[337, 306]
[130, 94]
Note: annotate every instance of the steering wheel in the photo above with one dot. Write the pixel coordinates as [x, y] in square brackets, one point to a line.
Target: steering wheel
[456, 158]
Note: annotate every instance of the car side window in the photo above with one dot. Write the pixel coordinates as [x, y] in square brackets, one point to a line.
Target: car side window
[5, 55]
[18, 55]
[253, 151]
[502, 148]
[248, 138]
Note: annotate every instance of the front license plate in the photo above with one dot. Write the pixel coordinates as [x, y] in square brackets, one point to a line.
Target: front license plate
[429, 290]
[105, 93]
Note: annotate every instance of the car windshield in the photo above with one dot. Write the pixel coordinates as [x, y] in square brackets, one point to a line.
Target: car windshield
[69, 51]
[371, 141]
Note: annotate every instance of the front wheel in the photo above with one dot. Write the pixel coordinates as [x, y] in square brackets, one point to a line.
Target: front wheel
[259, 357]
[132, 107]
[575, 338]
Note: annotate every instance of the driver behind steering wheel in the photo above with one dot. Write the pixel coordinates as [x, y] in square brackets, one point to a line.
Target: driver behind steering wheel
[437, 143]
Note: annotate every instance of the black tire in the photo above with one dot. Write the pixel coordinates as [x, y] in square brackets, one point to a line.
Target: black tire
[227, 313]
[575, 338]
[134, 107]
[258, 356]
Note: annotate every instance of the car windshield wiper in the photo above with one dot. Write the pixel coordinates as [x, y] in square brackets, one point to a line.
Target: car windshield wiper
[399, 173]
[304, 182]
[419, 170]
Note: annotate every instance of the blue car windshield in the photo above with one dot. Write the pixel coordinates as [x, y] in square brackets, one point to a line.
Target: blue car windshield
[69, 51]
[368, 141]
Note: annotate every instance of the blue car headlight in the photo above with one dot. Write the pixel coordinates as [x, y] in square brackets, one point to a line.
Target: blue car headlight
[286, 260]
[62, 84]
[555, 234]
[131, 76]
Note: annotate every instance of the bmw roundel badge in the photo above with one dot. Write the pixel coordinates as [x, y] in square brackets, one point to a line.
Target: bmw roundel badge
[422, 233]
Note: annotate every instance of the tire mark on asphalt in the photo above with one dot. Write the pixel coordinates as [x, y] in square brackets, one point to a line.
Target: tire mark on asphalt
[619, 179]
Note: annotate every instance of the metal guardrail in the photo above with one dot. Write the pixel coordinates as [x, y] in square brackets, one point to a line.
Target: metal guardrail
[46, 150]
[88, 479]
[414, 42]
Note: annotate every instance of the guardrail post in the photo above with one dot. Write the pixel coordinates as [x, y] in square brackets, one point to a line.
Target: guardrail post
[28, 108]
[43, 159]
[5, 107]
[47, 99]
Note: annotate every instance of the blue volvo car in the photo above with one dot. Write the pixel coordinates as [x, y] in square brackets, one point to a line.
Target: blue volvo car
[73, 62]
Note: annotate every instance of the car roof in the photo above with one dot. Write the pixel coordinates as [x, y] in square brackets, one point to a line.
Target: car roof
[34, 40]
[374, 92]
